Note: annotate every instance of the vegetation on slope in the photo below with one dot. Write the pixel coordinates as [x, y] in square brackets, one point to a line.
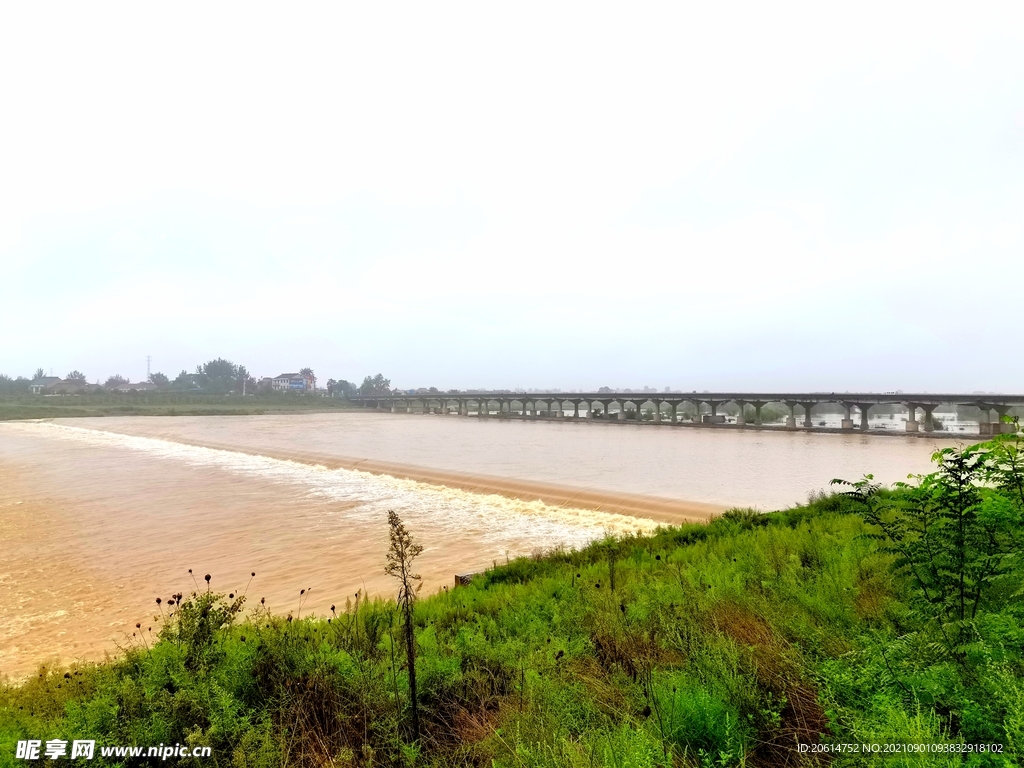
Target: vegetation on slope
[877, 616]
[162, 404]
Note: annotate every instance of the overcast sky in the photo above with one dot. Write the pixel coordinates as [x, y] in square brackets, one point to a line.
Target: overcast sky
[517, 195]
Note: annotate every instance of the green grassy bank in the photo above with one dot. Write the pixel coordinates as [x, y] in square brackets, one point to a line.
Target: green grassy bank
[163, 404]
[717, 645]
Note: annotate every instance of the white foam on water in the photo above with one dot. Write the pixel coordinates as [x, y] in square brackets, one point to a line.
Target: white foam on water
[493, 519]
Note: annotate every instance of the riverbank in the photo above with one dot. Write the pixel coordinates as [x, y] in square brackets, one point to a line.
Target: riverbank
[723, 644]
[27, 407]
[950, 434]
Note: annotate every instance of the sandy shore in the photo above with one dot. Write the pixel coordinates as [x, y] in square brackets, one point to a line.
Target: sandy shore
[663, 510]
[672, 511]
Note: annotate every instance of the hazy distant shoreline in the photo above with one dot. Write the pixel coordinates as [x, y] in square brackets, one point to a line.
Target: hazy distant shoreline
[36, 411]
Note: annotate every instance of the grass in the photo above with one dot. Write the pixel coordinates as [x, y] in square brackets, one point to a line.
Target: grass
[162, 404]
[718, 645]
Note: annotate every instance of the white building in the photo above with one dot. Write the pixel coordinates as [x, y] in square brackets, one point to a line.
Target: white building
[292, 382]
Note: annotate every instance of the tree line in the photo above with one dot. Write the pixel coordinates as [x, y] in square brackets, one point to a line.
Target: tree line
[218, 376]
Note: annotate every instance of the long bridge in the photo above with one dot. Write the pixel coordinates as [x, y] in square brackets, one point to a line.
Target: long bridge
[664, 407]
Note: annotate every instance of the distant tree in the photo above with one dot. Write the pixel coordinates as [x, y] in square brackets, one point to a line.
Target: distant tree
[184, 380]
[401, 552]
[160, 379]
[308, 373]
[375, 385]
[433, 391]
[76, 376]
[219, 369]
[220, 375]
[340, 387]
[20, 384]
[606, 389]
[115, 380]
[243, 380]
[39, 374]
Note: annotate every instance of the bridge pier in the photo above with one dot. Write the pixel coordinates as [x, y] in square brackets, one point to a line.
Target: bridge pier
[929, 420]
[696, 405]
[675, 412]
[911, 417]
[576, 409]
[791, 419]
[999, 426]
[713, 416]
[741, 417]
[864, 409]
[847, 422]
[994, 426]
[757, 412]
[808, 423]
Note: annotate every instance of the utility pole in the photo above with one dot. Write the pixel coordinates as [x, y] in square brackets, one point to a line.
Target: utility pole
[147, 367]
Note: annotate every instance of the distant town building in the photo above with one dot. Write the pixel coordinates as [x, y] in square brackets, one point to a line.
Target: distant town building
[292, 382]
[139, 386]
[39, 386]
[52, 385]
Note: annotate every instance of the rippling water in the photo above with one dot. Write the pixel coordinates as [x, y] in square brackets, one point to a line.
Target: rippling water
[100, 516]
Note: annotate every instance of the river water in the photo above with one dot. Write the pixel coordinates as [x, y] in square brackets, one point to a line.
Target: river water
[98, 517]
